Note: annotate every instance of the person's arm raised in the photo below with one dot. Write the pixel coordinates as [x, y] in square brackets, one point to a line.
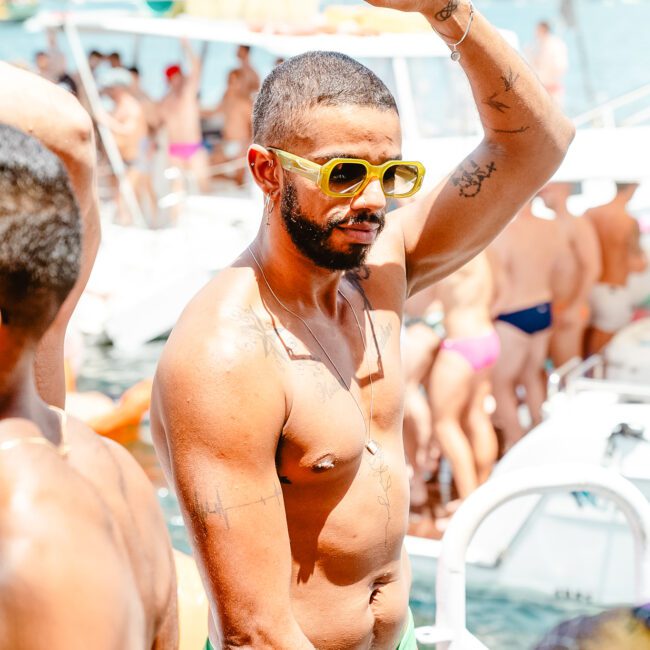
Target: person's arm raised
[223, 413]
[525, 139]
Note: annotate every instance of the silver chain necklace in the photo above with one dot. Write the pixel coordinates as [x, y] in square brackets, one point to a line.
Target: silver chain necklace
[371, 445]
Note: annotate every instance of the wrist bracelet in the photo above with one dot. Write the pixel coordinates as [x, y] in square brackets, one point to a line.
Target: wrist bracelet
[455, 54]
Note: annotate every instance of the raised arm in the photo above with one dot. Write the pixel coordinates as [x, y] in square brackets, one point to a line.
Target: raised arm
[194, 76]
[222, 416]
[56, 118]
[525, 139]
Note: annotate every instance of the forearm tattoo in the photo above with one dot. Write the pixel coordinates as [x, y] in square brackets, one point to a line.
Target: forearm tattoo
[447, 11]
[470, 176]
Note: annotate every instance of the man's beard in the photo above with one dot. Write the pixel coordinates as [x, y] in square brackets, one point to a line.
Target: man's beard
[313, 240]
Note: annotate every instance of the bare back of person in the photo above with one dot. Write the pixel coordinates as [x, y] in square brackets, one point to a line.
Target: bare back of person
[181, 115]
[618, 234]
[460, 381]
[80, 533]
[466, 296]
[529, 253]
[614, 226]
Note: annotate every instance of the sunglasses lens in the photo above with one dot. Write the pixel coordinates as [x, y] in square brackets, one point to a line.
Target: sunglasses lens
[400, 179]
[346, 177]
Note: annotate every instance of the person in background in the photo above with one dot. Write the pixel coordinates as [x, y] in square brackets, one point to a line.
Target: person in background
[181, 116]
[87, 561]
[128, 124]
[460, 380]
[549, 58]
[249, 78]
[582, 270]
[95, 59]
[620, 247]
[50, 64]
[235, 109]
[31, 103]
[529, 255]
[115, 60]
[422, 334]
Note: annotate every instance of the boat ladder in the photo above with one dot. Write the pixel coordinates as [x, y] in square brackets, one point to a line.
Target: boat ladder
[450, 630]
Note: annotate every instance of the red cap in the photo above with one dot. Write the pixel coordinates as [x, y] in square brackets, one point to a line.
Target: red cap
[172, 71]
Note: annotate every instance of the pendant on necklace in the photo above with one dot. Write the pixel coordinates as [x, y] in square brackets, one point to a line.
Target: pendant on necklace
[372, 446]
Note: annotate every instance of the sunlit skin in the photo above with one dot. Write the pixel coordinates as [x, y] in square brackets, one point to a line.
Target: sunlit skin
[264, 390]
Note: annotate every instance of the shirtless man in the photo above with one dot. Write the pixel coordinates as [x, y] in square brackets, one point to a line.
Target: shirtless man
[34, 105]
[128, 124]
[581, 271]
[460, 380]
[86, 557]
[277, 404]
[550, 59]
[530, 254]
[236, 108]
[250, 78]
[618, 233]
[181, 117]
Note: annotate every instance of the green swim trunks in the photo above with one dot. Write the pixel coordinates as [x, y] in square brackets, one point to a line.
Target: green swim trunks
[407, 642]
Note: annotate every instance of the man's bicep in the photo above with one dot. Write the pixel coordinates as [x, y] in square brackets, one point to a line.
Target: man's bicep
[463, 214]
[222, 444]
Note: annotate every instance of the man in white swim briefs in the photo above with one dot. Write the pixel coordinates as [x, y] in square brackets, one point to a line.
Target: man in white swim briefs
[618, 233]
[277, 404]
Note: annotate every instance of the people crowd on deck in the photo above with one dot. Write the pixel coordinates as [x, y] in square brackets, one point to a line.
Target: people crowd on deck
[199, 145]
[555, 289]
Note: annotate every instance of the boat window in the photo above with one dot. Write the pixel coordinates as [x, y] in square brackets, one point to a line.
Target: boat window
[383, 68]
[442, 97]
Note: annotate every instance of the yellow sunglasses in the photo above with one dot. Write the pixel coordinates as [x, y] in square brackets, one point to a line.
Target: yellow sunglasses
[346, 177]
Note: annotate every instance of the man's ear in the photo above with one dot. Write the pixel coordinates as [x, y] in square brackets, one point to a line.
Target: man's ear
[264, 168]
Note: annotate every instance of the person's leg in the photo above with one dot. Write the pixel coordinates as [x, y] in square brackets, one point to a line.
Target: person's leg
[533, 375]
[450, 388]
[199, 166]
[420, 347]
[505, 376]
[479, 427]
[597, 340]
[566, 343]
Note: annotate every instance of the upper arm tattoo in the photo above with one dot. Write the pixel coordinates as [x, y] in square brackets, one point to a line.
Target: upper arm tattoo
[469, 178]
[202, 508]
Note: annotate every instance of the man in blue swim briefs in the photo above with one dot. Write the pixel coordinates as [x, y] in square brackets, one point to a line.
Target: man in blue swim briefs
[531, 256]
[277, 404]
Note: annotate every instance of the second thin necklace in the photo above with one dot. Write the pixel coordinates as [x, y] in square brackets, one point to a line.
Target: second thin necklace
[371, 445]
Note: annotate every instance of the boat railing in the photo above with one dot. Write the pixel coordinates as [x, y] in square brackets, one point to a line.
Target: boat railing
[605, 115]
[578, 376]
[450, 630]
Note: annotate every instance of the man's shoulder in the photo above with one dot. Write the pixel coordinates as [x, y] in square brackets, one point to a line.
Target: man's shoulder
[224, 329]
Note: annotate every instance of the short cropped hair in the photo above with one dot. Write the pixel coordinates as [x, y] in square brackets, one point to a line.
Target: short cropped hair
[309, 80]
[40, 233]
